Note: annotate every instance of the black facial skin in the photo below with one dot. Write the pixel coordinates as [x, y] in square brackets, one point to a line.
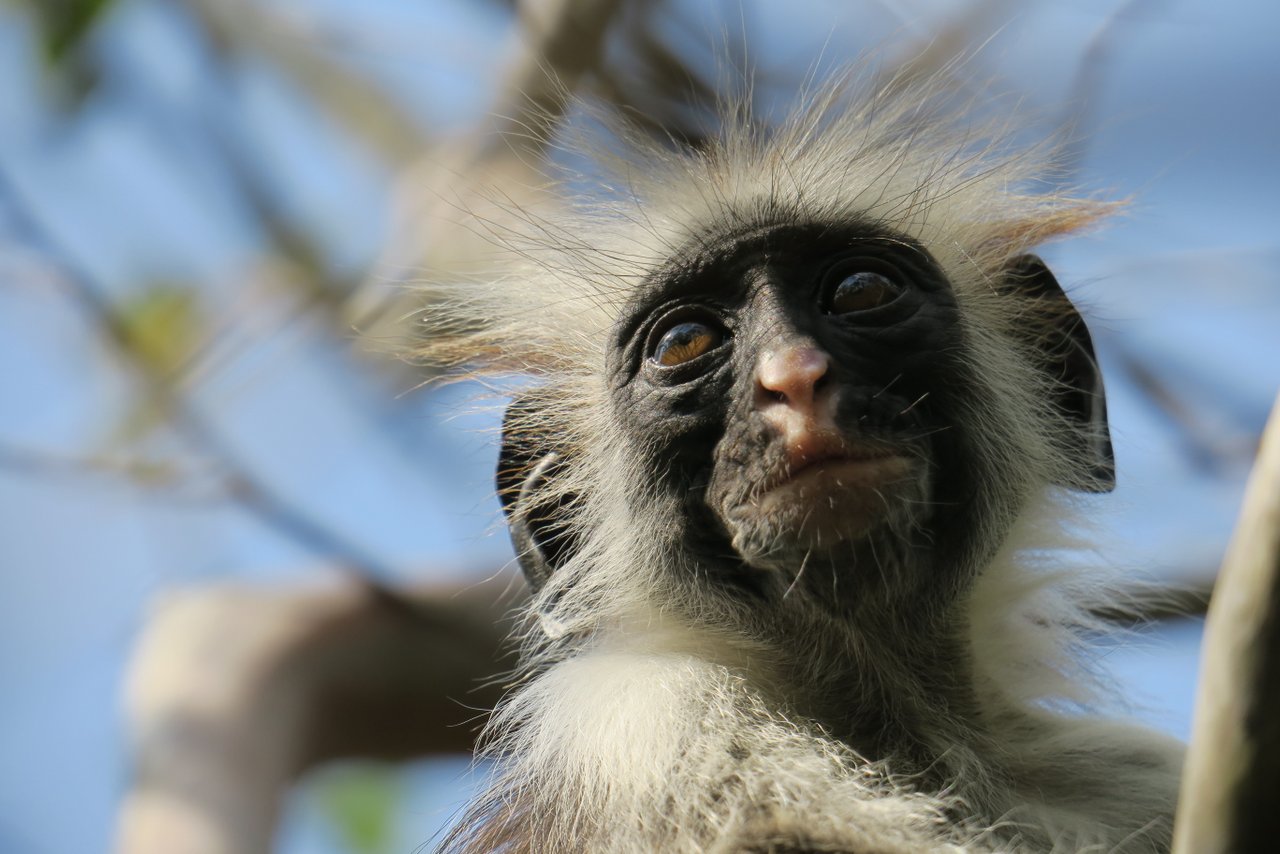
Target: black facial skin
[894, 367]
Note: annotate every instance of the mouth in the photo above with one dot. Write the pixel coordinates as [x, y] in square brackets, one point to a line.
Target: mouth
[817, 459]
[836, 475]
[827, 504]
[822, 494]
[828, 489]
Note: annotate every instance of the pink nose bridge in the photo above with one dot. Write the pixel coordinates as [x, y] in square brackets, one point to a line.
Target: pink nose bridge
[792, 373]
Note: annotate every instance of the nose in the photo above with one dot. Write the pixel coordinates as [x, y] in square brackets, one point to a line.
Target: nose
[792, 374]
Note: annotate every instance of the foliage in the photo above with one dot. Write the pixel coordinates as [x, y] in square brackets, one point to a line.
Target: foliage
[361, 801]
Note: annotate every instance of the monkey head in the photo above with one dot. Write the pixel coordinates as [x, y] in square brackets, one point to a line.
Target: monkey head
[812, 399]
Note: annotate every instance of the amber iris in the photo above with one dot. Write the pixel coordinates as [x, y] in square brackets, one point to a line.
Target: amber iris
[685, 342]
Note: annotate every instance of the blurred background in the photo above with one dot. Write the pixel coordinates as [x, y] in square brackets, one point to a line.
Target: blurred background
[208, 211]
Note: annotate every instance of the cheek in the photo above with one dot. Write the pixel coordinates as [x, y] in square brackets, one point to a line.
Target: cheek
[739, 460]
[975, 484]
[675, 431]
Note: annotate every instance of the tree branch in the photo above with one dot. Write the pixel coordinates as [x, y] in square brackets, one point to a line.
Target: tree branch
[1232, 775]
[243, 485]
[358, 105]
[234, 692]
[563, 41]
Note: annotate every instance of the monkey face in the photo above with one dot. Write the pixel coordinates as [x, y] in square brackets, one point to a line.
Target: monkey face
[791, 386]
[799, 406]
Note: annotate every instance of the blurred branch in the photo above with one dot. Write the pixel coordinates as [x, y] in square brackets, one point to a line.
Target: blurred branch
[662, 94]
[358, 105]
[1087, 86]
[297, 262]
[34, 461]
[564, 39]
[162, 389]
[1203, 442]
[1232, 773]
[64, 23]
[234, 692]
[314, 278]
[947, 47]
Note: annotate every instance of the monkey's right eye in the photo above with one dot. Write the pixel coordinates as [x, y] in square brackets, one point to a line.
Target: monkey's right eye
[685, 342]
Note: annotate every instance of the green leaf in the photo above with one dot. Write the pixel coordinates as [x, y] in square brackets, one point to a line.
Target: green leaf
[164, 325]
[361, 802]
[64, 24]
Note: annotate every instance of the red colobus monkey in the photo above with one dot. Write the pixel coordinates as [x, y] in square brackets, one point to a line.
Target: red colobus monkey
[807, 415]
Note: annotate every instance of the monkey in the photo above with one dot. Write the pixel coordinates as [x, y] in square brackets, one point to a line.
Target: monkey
[807, 418]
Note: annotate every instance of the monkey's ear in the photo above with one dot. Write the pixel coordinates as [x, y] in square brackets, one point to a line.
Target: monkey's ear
[1067, 352]
[537, 518]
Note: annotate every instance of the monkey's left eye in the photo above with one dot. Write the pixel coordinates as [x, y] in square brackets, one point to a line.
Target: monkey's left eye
[861, 291]
[685, 342]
